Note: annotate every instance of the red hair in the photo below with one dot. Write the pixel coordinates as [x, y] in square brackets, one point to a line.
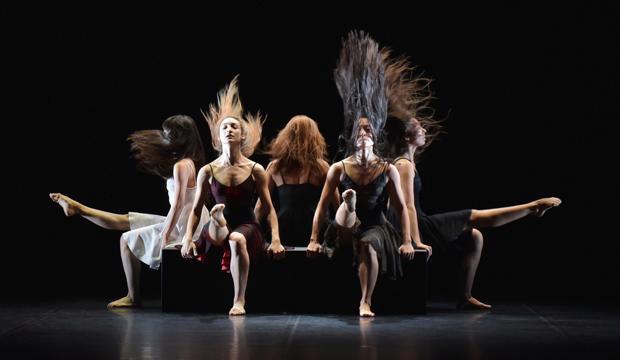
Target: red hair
[299, 146]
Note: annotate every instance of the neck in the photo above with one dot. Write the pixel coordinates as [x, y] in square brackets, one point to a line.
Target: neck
[231, 154]
[364, 156]
[410, 152]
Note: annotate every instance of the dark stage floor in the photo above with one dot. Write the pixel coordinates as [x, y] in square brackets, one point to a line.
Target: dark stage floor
[87, 330]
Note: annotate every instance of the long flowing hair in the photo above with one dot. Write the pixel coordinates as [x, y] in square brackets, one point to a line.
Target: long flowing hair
[229, 106]
[158, 150]
[360, 79]
[409, 97]
[299, 146]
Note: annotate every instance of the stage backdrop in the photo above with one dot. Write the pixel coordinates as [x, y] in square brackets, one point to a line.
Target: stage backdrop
[528, 95]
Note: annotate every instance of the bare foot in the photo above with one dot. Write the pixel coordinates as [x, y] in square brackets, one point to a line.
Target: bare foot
[237, 309]
[365, 310]
[217, 215]
[349, 198]
[68, 205]
[542, 205]
[124, 302]
[472, 304]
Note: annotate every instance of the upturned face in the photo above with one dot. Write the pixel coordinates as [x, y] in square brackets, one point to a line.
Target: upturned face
[364, 134]
[231, 131]
[417, 137]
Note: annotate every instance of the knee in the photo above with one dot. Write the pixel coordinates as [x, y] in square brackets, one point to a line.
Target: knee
[237, 239]
[372, 252]
[477, 239]
[473, 218]
[123, 243]
[365, 247]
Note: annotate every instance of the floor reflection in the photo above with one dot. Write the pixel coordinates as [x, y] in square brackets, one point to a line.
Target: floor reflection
[368, 348]
[85, 330]
[238, 348]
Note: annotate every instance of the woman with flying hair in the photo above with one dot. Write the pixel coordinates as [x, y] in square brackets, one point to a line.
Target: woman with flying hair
[232, 182]
[410, 130]
[173, 154]
[367, 180]
[296, 176]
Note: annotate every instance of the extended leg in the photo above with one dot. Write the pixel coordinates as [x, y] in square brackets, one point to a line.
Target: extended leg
[106, 220]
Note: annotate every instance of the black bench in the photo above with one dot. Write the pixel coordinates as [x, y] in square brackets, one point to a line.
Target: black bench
[294, 284]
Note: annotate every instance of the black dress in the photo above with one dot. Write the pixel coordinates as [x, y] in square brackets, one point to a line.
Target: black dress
[239, 214]
[437, 230]
[372, 225]
[295, 205]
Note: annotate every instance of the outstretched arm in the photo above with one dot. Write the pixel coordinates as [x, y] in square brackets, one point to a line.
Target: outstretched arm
[260, 176]
[398, 202]
[329, 190]
[202, 190]
[406, 171]
[335, 198]
[182, 172]
[259, 210]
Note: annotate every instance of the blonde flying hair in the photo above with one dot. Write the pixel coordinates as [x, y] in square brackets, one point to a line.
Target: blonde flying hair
[229, 106]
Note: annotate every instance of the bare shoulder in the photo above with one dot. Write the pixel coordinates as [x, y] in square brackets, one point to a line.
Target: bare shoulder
[182, 171]
[184, 162]
[258, 169]
[336, 167]
[258, 172]
[404, 166]
[270, 168]
[184, 165]
[271, 164]
[335, 170]
[324, 169]
[394, 172]
[205, 170]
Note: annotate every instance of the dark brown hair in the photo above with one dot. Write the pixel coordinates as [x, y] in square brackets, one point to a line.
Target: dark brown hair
[409, 97]
[158, 150]
[360, 80]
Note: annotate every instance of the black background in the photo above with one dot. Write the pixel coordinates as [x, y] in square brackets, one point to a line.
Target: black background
[529, 91]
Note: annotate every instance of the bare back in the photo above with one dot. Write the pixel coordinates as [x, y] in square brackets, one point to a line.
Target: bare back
[299, 176]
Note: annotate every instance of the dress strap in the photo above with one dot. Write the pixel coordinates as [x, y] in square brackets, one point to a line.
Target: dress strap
[399, 158]
[212, 173]
[252, 171]
[192, 169]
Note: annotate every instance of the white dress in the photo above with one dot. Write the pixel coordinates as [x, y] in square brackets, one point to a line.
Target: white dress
[144, 238]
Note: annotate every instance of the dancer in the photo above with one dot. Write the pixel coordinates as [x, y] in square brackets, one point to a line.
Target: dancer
[366, 178]
[296, 174]
[410, 129]
[174, 154]
[232, 181]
